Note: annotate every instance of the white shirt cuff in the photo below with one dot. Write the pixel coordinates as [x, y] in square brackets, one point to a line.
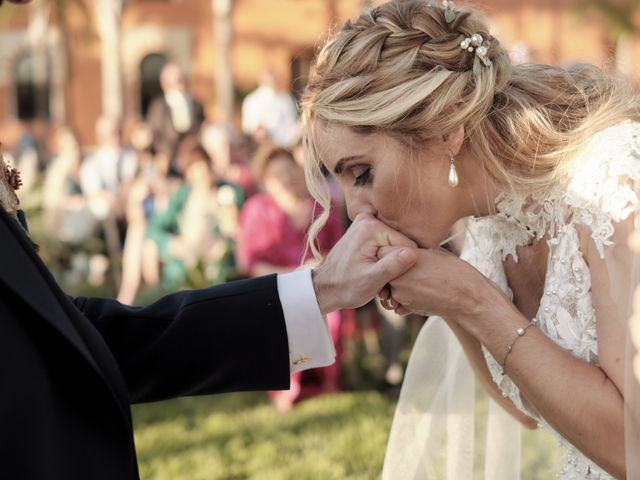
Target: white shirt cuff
[310, 343]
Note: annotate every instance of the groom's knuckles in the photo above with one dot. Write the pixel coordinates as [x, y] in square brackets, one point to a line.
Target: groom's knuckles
[397, 262]
[388, 268]
[406, 255]
[385, 251]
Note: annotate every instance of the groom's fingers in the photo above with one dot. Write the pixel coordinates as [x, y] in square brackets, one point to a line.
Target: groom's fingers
[383, 235]
[394, 264]
[385, 252]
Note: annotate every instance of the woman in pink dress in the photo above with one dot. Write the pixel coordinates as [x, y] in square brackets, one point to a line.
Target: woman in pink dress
[272, 239]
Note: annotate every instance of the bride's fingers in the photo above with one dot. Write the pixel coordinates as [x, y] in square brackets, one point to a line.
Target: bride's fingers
[385, 293]
[387, 301]
[387, 304]
[528, 422]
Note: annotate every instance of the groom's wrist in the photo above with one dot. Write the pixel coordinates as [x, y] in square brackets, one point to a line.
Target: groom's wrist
[326, 290]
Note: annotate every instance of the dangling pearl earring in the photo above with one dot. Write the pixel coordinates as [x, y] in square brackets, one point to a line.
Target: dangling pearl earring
[453, 173]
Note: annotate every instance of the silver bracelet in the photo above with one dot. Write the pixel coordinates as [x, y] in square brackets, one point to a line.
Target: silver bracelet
[519, 333]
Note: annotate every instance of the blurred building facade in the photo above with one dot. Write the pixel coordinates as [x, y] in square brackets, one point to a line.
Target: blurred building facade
[61, 66]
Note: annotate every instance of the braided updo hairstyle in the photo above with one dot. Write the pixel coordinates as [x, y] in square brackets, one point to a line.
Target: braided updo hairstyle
[399, 69]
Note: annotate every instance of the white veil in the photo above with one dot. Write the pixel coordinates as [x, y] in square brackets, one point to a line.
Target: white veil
[435, 428]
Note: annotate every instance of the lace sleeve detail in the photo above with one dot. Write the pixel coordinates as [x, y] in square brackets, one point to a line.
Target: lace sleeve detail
[601, 190]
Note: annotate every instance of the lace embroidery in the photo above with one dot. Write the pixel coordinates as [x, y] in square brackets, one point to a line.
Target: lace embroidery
[597, 195]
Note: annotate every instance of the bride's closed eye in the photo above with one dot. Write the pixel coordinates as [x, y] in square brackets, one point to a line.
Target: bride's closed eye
[362, 174]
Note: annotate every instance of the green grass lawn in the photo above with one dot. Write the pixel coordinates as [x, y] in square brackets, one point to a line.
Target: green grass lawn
[240, 436]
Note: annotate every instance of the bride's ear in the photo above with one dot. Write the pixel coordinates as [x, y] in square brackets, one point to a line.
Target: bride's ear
[454, 139]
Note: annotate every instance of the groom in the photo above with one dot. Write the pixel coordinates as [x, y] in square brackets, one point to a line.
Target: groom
[71, 367]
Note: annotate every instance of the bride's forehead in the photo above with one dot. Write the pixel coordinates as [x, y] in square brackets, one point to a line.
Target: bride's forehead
[330, 134]
[337, 141]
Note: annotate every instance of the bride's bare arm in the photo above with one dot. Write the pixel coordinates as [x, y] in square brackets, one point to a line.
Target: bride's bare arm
[578, 399]
[473, 350]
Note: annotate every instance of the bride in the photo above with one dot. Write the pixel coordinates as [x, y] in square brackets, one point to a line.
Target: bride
[418, 113]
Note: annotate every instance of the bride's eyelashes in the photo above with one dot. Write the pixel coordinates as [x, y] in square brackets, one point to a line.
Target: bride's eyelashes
[362, 174]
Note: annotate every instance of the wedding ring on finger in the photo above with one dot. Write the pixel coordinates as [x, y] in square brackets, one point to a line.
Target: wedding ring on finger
[387, 304]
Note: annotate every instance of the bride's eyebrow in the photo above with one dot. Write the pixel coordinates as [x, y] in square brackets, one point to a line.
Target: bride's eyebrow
[342, 163]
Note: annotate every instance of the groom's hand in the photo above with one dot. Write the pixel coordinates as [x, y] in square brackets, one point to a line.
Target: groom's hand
[352, 274]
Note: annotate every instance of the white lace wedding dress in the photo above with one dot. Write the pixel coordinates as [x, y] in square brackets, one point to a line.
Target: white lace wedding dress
[597, 196]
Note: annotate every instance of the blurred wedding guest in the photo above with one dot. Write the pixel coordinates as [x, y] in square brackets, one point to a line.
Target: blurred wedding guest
[272, 239]
[67, 215]
[185, 232]
[393, 339]
[174, 114]
[66, 212]
[106, 173]
[270, 114]
[230, 153]
[105, 178]
[149, 192]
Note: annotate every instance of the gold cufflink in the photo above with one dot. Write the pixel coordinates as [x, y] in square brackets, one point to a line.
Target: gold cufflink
[301, 361]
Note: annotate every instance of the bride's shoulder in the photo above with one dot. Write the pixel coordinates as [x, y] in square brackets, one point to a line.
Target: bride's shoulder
[603, 184]
[611, 155]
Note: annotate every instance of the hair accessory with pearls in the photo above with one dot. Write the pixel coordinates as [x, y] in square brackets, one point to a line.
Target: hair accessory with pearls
[449, 13]
[481, 47]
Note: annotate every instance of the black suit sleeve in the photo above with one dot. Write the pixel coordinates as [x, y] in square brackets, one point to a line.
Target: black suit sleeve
[226, 338]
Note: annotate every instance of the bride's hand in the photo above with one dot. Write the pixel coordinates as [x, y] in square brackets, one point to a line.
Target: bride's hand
[439, 284]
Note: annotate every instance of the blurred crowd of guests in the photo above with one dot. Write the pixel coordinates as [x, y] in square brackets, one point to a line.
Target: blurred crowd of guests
[178, 201]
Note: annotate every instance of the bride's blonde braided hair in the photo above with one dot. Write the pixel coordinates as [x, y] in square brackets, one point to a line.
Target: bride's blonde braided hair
[399, 69]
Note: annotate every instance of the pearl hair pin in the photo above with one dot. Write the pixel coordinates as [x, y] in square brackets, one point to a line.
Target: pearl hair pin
[478, 44]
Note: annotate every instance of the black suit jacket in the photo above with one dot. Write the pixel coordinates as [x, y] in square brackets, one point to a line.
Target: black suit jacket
[69, 368]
